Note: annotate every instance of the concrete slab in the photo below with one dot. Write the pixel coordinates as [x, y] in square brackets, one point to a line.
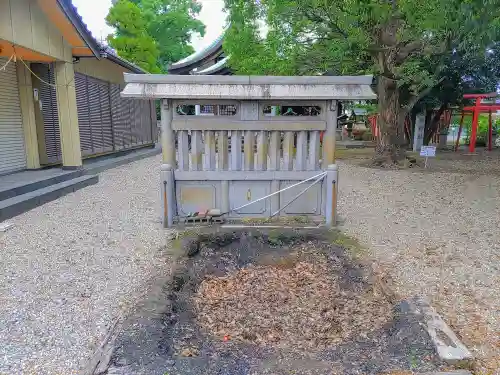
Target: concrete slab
[448, 346]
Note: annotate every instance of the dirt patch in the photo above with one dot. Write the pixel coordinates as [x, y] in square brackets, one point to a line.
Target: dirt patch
[257, 302]
[295, 303]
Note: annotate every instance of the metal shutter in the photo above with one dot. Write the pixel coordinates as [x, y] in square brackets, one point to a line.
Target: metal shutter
[12, 155]
[83, 108]
[48, 102]
[117, 116]
[95, 115]
[106, 120]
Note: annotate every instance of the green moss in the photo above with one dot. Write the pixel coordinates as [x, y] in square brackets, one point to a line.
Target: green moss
[352, 245]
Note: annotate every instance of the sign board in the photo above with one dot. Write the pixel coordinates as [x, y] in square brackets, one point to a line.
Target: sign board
[428, 151]
[418, 137]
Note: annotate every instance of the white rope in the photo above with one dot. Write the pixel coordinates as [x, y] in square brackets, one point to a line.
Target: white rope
[322, 174]
[8, 61]
[298, 195]
[47, 83]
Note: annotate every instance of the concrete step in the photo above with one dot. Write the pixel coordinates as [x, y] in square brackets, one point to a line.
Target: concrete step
[113, 161]
[25, 202]
[29, 184]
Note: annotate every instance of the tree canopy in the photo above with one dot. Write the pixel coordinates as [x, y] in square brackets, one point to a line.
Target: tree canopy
[412, 47]
[154, 33]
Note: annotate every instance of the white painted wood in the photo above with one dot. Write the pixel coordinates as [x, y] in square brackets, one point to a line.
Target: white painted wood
[249, 151]
[236, 159]
[222, 151]
[262, 146]
[209, 159]
[196, 150]
[274, 151]
[182, 150]
[288, 151]
[314, 150]
[280, 123]
[301, 152]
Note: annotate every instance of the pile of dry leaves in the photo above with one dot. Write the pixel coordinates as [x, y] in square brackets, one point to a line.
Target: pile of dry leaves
[297, 305]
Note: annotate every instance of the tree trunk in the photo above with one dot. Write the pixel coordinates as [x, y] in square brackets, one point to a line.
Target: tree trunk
[389, 150]
[432, 122]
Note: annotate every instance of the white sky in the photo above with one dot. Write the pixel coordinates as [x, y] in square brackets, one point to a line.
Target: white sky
[94, 13]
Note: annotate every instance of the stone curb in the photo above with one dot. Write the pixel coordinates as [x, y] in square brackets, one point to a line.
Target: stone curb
[448, 346]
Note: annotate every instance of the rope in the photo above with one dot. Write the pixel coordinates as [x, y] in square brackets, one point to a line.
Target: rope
[8, 61]
[47, 83]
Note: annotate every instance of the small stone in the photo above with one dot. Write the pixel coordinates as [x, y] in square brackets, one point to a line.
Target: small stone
[190, 352]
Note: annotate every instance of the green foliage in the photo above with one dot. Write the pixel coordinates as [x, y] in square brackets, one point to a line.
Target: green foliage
[154, 33]
[412, 43]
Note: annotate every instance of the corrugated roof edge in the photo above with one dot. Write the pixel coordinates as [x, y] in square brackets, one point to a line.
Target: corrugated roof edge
[97, 49]
[81, 27]
[106, 54]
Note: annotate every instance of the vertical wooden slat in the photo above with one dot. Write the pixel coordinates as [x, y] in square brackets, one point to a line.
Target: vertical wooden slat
[209, 162]
[262, 145]
[314, 146]
[330, 134]
[288, 151]
[223, 151]
[275, 151]
[196, 151]
[236, 150]
[182, 150]
[301, 154]
[249, 150]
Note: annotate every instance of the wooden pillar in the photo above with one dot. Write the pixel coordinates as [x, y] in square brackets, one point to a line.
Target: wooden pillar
[28, 116]
[475, 124]
[167, 134]
[68, 115]
[330, 134]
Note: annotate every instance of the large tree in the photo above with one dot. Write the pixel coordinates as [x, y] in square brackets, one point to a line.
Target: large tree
[154, 33]
[406, 44]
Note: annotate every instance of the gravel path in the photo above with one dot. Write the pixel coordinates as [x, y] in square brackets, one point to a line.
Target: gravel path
[437, 235]
[71, 266]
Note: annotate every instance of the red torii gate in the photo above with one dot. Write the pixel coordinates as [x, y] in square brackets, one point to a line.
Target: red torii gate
[475, 110]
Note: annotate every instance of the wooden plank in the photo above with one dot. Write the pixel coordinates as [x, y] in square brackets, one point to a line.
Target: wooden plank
[223, 151]
[262, 145]
[196, 150]
[314, 149]
[249, 150]
[244, 175]
[236, 150]
[329, 136]
[209, 160]
[288, 151]
[301, 152]
[183, 150]
[226, 123]
[275, 151]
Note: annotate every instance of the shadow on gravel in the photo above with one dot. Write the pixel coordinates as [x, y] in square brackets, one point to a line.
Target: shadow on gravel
[163, 337]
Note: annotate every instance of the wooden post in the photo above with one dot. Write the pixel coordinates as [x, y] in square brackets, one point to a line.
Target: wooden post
[183, 150]
[262, 144]
[236, 150]
[331, 195]
[288, 151]
[249, 150]
[167, 134]
[329, 136]
[475, 124]
[222, 151]
[209, 163]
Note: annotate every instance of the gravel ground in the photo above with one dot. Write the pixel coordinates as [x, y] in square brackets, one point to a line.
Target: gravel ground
[437, 235]
[71, 266]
